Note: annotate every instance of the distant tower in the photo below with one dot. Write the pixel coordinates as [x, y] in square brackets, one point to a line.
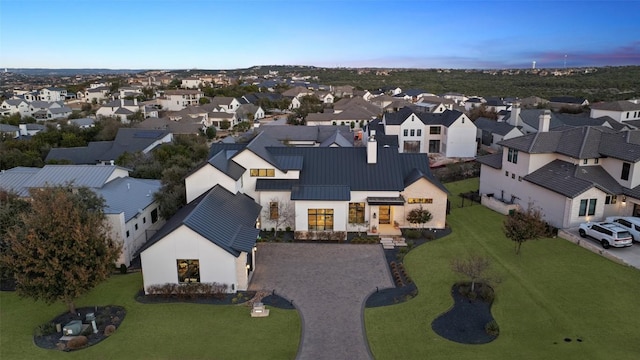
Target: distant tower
[565, 61]
[533, 65]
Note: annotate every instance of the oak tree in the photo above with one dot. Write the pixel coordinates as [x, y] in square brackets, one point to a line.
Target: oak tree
[61, 248]
[521, 226]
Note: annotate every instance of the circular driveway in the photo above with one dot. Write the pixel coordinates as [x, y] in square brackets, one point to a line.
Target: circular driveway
[328, 284]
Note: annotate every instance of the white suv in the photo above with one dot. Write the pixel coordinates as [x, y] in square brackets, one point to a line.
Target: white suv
[630, 223]
[608, 234]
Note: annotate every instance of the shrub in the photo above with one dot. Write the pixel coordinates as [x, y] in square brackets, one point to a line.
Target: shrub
[412, 234]
[123, 269]
[189, 291]
[486, 293]
[288, 229]
[77, 342]
[492, 328]
[88, 331]
[45, 329]
[61, 346]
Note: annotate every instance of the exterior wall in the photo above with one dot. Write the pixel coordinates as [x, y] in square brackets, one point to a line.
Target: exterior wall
[438, 209]
[118, 172]
[461, 138]
[203, 179]
[574, 219]
[249, 160]
[159, 262]
[415, 124]
[117, 233]
[616, 115]
[614, 168]
[146, 229]
[340, 213]
[242, 273]
[265, 198]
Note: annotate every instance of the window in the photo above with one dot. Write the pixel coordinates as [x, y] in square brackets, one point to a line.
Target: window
[513, 175]
[188, 271]
[434, 146]
[273, 210]
[411, 147]
[127, 233]
[519, 178]
[587, 207]
[413, 132]
[320, 219]
[262, 172]
[144, 220]
[406, 132]
[506, 173]
[154, 216]
[419, 132]
[596, 160]
[434, 130]
[512, 156]
[585, 161]
[420, 201]
[136, 226]
[626, 167]
[356, 213]
[611, 199]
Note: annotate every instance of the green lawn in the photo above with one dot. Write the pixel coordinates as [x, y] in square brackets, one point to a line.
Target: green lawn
[155, 331]
[553, 290]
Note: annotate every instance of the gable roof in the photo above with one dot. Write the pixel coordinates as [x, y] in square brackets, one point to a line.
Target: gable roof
[91, 176]
[128, 195]
[623, 105]
[492, 160]
[571, 180]
[13, 180]
[494, 127]
[445, 118]
[226, 219]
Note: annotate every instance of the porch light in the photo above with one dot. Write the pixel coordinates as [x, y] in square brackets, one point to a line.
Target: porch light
[248, 266]
[374, 215]
[624, 200]
[255, 248]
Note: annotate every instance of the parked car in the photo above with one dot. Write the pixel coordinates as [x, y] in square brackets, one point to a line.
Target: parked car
[630, 223]
[607, 233]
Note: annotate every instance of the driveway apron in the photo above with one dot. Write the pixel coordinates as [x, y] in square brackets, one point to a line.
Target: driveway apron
[328, 284]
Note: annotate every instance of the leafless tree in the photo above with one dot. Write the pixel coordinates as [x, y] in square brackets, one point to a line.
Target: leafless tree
[280, 214]
[474, 267]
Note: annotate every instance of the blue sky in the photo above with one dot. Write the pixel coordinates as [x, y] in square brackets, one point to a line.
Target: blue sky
[225, 34]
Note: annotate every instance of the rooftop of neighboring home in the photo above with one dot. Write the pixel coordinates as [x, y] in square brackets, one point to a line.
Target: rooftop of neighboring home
[186, 125]
[182, 92]
[567, 100]
[128, 195]
[623, 105]
[130, 140]
[531, 117]
[445, 118]
[321, 134]
[82, 122]
[493, 126]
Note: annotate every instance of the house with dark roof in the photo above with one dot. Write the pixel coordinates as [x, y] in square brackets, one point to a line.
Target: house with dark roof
[569, 102]
[491, 132]
[528, 120]
[326, 191]
[313, 136]
[450, 132]
[128, 140]
[622, 111]
[573, 174]
[130, 208]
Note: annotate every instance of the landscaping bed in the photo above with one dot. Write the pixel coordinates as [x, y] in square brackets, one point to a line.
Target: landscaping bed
[108, 319]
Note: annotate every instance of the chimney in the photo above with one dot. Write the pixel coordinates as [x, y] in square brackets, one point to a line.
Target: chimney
[121, 102]
[135, 101]
[544, 120]
[514, 119]
[372, 148]
[23, 130]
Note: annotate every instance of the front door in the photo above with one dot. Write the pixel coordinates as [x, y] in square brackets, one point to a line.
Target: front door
[385, 214]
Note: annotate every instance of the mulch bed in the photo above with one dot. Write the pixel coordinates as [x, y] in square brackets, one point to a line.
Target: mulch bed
[465, 322]
[105, 315]
[241, 297]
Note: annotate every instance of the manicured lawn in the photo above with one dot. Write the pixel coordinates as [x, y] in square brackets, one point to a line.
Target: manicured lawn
[552, 291]
[155, 331]
[455, 188]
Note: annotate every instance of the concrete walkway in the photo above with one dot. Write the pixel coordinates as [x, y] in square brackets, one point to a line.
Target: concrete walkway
[328, 284]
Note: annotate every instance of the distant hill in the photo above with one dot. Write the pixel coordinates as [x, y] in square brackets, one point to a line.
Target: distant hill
[72, 72]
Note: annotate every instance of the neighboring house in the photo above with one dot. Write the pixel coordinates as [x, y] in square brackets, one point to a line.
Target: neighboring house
[573, 175]
[132, 91]
[570, 102]
[455, 97]
[473, 102]
[354, 117]
[295, 103]
[31, 129]
[183, 126]
[624, 110]
[313, 136]
[45, 110]
[297, 92]
[12, 106]
[491, 132]
[344, 91]
[533, 101]
[52, 94]
[356, 103]
[9, 131]
[527, 120]
[128, 140]
[325, 97]
[97, 93]
[174, 100]
[84, 123]
[130, 208]
[249, 112]
[191, 83]
[120, 108]
[450, 133]
[227, 104]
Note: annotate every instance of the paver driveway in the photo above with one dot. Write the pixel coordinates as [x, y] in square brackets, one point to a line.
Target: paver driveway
[328, 284]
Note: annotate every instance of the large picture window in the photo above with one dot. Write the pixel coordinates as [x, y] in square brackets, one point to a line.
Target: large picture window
[356, 213]
[434, 130]
[188, 271]
[587, 207]
[320, 219]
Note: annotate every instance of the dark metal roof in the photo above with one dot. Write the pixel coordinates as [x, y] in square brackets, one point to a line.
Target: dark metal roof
[225, 219]
[221, 162]
[445, 118]
[275, 184]
[321, 192]
[493, 160]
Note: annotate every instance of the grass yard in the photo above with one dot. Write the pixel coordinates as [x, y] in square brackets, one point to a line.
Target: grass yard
[155, 331]
[553, 290]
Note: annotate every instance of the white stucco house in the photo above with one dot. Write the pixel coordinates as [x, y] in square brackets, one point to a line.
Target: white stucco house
[175, 100]
[450, 132]
[130, 208]
[326, 191]
[624, 110]
[573, 175]
[12, 106]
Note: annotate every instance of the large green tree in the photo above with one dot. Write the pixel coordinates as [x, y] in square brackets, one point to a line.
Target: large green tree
[61, 249]
[11, 208]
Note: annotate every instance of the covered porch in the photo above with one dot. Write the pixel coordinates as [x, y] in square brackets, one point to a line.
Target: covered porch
[386, 215]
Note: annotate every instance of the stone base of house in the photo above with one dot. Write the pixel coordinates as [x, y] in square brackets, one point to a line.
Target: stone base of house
[497, 205]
